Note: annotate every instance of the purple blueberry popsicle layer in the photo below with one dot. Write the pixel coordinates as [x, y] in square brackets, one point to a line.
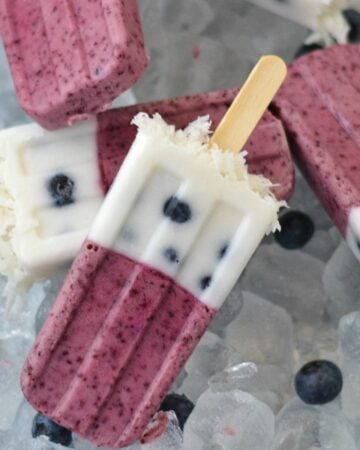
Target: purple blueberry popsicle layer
[71, 59]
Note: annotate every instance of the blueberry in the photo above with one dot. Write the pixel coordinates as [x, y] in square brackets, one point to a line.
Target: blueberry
[205, 282]
[223, 251]
[297, 229]
[353, 18]
[61, 188]
[305, 49]
[171, 255]
[318, 382]
[176, 210]
[42, 425]
[180, 404]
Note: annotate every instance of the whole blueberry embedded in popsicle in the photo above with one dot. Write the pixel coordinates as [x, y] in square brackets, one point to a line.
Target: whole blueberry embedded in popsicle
[297, 229]
[223, 250]
[42, 425]
[318, 382]
[177, 210]
[61, 188]
[172, 255]
[181, 406]
[205, 282]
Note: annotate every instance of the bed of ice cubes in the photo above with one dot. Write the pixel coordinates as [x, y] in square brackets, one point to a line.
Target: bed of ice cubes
[289, 307]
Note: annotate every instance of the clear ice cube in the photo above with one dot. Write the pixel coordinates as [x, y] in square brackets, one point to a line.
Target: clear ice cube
[229, 420]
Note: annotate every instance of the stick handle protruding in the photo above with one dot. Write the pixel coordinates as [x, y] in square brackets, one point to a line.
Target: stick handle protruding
[250, 104]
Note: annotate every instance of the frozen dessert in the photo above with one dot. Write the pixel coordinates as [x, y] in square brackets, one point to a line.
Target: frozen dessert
[70, 60]
[319, 106]
[325, 18]
[176, 229]
[52, 184]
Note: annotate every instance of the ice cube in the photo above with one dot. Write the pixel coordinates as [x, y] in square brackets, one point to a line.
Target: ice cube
[349, 336]
[300, 426]
[262, 333]
[10, 392]
[321, 246]
[319, 342]
[342, 283]
[268, 383]
[10, 441]
[24, 420]
[171, 436]
[290, 279]
[82, 444]
[193, 386]
[52, 287]
[229, 420]
[229, 310]
[210, 356]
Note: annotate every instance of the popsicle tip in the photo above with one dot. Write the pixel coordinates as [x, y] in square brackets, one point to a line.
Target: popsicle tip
[275, 62]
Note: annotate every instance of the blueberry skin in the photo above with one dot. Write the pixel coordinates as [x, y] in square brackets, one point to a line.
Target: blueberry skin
[180, 404]
[61, 188]
[306, 49]
[42, 425]
[318, 382]
[205, 282]
[172, 255]
[297, 228]
[353, 18]
[177, 210]
[223, 251]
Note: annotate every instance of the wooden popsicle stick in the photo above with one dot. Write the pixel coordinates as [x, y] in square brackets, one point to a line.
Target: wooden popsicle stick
[250, 104]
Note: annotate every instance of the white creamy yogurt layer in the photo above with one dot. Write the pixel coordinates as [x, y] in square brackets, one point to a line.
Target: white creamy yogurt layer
[187, 209]
[49, 193]
[353, 231]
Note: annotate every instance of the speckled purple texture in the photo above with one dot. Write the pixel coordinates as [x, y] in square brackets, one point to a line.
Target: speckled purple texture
[268, 150]
[69, 59]
[113, 344]
[319, 105]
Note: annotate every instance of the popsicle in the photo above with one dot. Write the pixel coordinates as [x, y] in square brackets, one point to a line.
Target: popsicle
[177, 227]
[319, 106]
[70, 60]
[324, 17]
[79, 164]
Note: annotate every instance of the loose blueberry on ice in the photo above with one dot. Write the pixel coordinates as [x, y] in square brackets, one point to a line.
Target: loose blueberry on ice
[296, 230]
[42, 425]
[353, 18]
[177, 210]
[318, 382]
[305, 49]
[171, 255]
[61, 188]
[205, 282]
[181, 406]
[223, 251]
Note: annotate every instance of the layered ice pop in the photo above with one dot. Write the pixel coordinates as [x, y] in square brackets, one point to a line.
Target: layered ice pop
[52, 184]
[176, 229]
[319, 106]
[324, 17]
[68, 59]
